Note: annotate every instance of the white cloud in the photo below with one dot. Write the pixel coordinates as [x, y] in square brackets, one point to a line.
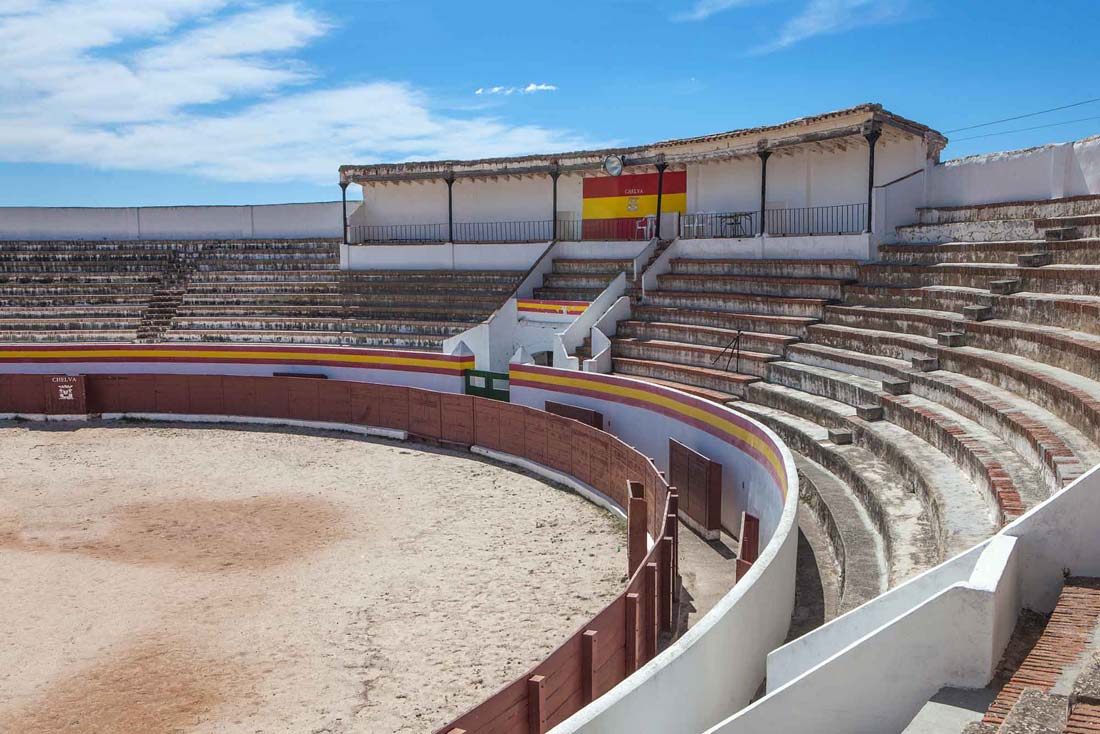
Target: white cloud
[507, 91]
[213, 87]
[703, 9]
[821, 17]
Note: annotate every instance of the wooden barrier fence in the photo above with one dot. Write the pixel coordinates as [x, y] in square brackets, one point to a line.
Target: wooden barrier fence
[616, 642]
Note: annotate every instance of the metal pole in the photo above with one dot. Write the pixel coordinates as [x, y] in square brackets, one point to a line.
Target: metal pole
[450, 209]
[554, 173]
[344, 206]
[660, 188]
[872, 138]
[764, 156]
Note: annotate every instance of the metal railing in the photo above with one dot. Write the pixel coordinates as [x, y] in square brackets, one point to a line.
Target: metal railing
[530, 231]
[837, 219]
[707, 225]
[734, 349]
[573, 230]
[399, 233]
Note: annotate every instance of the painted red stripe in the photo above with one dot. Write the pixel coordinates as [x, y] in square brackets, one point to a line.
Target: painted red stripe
[452, 371]
[634, 184]
[225, 348]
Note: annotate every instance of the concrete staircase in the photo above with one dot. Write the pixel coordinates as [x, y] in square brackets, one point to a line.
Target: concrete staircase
[929, 398]
[575, 279]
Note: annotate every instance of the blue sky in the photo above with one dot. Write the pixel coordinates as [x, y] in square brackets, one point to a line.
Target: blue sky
[120, 103]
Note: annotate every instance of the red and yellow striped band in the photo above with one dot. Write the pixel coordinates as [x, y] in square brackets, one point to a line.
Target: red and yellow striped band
[713, 419]
[375, 359]
[534, 305]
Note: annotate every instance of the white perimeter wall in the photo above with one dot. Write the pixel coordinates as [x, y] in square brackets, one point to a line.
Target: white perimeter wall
[269, 221]
[447, 256]
[1047, 172]
[716, 667]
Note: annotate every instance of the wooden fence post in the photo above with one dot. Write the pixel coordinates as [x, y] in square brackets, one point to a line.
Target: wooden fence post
[673, 521]
[650, 620]
[536, 704]
[749, 549]
[633, 617]
[588, 665]
[667, 566]
[637, 516]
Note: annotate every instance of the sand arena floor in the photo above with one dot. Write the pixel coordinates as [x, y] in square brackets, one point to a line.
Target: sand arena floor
[162, 578]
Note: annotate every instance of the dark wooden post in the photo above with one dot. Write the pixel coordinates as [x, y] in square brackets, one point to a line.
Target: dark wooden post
[660, 190]
[450, 208]
[764, 156]
[637, 514]
[536, 704]
[872, 136]
[344, 207]
[554, 173]
[673, 528]
[667, 564]
[650, 621]
[588, 665]
[633, 619]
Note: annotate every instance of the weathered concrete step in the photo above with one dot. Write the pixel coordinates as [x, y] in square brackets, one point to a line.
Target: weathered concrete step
[1071, 397]
[605, 267]
[229, 266]
[12, 270]
[738, 303]
[568, 294]
[1031, 210]
[417, 341]
[1080, 313]
[705, 336]
[264, 276]
[285, 287]
[783, 269]
[884, 495]
[465, 300]
[789, 326]
[856, 545]
[574, 281]
[952, 299]
[1073, 350]
[453, 276]
[711, 379]
[259, 299]
[743, 362]
[824, 288]
[1066, 279]
[957, 252]
[870, 369]
[96, 335]
[715, 396]
[966, 231]
[67, 324]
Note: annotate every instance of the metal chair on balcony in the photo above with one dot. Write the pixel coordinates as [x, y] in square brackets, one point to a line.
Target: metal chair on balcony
[646, 226]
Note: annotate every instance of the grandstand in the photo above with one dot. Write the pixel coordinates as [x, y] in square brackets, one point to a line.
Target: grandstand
[915, 346]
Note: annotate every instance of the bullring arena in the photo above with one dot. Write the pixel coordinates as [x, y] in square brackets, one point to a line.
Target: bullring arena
[786, 429]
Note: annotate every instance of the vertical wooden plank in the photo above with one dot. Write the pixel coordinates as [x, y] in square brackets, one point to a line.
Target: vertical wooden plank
[457, 418]
[366, 404]
[714, 497]
[636, 519]
[425, 413]
[204, 395]
[649, 621]
[536, 704]
[750, 538]
[667, 563]
[66, 395]
[588, 665]
[171, 394]
[673, 527]
[334, 401]
[633, 622]
[302, 393]
[487, 423]
[534, 436]
[394, 401]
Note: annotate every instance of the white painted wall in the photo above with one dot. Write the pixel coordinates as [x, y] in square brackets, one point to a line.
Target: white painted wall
[715, 668]
[446, 256]
[274, 221]
[848, 246]
[1046, 172]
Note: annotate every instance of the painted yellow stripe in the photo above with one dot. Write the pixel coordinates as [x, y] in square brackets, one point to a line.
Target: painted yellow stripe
[229, 355]
[699, 414]
[550, 307]
[617, 207]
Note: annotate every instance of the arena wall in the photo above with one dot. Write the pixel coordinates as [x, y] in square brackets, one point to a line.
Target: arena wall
[211, 381]
[271, 221]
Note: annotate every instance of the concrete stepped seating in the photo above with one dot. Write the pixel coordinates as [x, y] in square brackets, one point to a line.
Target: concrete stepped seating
[214, 277]
[228, 265]
[785, 269]
[69, 323]
[430, 342]
[1003, 480]
[1073, 399]
[470, 277]
[1081, 313]
[568, 294]
[1065, 279]
[953, 299]
[986, 230]
[740, 303]
[723, 381]
[857, 548]
[820, 288]
[715, 396]
[1032, 210]
[1065, 252]
[705, 336]
[787, 326]
[901, 524]
[608, 267]
[1073, 350]
[576, 281]
[81, 335]
[694, 355]
[264, 288]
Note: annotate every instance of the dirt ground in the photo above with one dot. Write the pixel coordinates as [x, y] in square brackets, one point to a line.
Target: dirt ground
[166, 579]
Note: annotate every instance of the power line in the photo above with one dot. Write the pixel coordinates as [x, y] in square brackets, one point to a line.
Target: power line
[1025, 129]
[1020, 117]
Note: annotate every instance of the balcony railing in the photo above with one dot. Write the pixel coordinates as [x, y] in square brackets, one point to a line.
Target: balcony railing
[641, 228]
[814, 220]
[399, 234]
[530, 231]
[838, 219]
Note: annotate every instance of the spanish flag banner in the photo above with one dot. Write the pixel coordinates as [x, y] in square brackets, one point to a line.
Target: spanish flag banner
[626, 199]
